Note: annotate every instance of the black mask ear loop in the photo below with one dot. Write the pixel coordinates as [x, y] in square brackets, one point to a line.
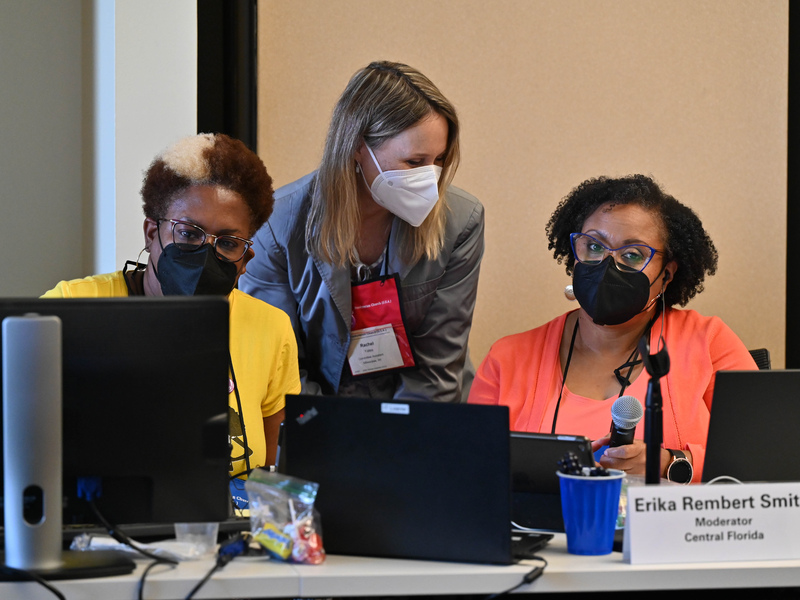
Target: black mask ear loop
[660, 311]
[661, 343]
[160, 243]
[663, 288]
[137, 269]
[635, 359]
[248, 469]
[625, 380]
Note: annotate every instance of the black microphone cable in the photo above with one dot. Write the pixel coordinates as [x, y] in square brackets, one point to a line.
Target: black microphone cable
[529, 577]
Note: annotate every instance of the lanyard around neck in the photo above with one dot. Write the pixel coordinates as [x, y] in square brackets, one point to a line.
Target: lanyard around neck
[364, 273]
[624, 380]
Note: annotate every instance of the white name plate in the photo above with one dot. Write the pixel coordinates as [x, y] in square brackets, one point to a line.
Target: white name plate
[710, 523]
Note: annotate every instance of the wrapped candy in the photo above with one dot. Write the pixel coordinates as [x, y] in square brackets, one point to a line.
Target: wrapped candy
[282, 517]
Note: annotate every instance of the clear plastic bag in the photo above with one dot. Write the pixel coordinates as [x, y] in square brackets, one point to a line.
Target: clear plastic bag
[282, 516]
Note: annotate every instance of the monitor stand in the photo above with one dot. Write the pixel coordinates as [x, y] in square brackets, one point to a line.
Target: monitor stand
[32, 470]
[76, 564]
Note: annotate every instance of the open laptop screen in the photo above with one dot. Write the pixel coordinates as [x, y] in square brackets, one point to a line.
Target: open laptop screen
[752, 434]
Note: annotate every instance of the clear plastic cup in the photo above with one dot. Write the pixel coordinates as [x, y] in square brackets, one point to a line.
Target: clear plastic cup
[200, 537]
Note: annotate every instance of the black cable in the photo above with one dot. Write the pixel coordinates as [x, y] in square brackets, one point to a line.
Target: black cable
[140, 588]
[228, 550]
[203, 581]
[35, 577]
[529, 577]
[123, 538]
[248, 469]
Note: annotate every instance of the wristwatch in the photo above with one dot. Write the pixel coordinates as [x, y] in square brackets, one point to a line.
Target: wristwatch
[679, 469]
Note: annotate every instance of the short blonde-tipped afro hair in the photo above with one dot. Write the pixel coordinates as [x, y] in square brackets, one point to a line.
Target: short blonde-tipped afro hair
[208, 159]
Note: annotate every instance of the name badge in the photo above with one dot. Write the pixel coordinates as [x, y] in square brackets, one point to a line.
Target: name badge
[379, 341]
[374, 349]
[710, 523]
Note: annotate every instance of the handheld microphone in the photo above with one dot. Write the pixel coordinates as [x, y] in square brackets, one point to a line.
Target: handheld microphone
[626, 413]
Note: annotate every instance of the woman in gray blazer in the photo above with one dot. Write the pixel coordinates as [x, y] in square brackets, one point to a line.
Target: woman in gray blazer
[379, 208]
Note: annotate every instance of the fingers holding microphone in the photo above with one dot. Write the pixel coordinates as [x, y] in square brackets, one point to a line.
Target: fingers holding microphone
[626, 412]
[623, 452]
[631, 458]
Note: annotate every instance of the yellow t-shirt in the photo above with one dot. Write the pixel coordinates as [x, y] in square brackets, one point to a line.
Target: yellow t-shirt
[263, 351]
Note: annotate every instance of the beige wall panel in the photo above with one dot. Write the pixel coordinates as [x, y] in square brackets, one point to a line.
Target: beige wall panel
[693, 93]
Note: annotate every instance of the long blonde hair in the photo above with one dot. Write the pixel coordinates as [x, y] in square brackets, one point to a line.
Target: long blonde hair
[379, 102]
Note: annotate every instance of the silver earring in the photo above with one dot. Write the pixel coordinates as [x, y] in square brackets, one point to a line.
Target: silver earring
[358, 168]
[569, 293]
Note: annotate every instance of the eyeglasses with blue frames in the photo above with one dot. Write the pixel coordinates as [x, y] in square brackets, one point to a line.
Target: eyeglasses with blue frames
[190, 238]
[632, 258]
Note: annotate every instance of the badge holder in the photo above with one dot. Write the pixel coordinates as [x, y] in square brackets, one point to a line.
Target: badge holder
[379, 341]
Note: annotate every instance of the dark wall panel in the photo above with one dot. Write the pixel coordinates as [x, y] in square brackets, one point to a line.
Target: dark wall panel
[793, 196]
[227, 68]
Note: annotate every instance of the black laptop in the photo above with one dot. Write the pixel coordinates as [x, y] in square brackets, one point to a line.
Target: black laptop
[421, 480]
[752, 434]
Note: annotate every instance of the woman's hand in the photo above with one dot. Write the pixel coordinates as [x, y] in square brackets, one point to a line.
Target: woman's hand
[631, 458]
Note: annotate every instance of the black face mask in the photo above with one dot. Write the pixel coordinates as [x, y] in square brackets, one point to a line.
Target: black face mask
[609, 295]
[198, 273]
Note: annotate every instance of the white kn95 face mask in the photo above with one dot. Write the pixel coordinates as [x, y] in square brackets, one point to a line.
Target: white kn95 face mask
[410, 194]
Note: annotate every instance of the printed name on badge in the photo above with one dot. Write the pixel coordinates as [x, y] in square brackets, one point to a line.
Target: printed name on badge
[374, 349]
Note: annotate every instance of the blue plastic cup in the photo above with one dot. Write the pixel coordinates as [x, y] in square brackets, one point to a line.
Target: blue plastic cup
[589, 506]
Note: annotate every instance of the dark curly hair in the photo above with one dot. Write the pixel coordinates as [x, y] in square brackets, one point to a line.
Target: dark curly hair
[687, 242]
[208, 159]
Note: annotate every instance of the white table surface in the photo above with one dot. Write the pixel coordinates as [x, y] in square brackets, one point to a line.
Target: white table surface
[357, 576]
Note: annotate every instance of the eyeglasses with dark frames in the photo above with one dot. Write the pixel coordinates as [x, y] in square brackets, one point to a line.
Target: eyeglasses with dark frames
[631, 258]
[190, 238]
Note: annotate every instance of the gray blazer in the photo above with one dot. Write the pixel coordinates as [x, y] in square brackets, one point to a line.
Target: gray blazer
[438, 300]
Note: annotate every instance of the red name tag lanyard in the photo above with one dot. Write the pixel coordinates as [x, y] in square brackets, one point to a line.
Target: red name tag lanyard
[379, 339]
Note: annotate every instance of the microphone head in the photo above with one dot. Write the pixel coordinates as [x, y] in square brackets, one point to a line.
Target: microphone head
[626, 412]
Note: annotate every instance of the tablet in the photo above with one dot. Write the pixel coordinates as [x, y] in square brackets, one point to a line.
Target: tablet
[536, 495]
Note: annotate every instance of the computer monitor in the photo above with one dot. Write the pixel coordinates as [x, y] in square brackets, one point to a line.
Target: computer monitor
[145, 405]
[752, 430]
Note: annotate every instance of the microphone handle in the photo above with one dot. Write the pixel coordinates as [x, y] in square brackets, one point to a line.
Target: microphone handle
[621, 437]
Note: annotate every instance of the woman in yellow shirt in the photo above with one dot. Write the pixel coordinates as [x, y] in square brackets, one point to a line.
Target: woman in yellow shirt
[203, 199]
